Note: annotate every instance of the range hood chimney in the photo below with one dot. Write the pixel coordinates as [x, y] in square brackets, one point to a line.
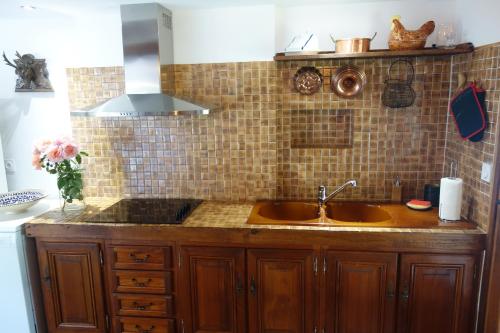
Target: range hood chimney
[147, 47]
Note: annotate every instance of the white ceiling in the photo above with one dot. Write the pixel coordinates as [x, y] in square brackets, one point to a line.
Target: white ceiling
[69, 8]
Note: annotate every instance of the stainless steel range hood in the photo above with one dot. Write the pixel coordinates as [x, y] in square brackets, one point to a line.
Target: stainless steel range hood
[147, 46]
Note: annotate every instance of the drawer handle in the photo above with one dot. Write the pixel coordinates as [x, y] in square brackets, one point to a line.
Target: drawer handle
[253, 286]
[134, 256]
[390, 290]
[239, 285]
[142, 307]
[139, 329]
[405, 295]
[141, 284]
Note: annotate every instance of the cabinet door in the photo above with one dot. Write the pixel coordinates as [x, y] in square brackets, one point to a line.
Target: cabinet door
[72, 287]
[213, 292]
[436, 294]
[281, 291]
[360, 292]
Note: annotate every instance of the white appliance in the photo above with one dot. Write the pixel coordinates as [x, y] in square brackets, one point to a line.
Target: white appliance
[3, 177]
[16, 305]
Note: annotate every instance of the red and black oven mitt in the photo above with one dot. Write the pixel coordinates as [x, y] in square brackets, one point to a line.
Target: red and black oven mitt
[469, 112]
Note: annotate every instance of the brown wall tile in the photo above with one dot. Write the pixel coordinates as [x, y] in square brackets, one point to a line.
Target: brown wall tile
[249, 147]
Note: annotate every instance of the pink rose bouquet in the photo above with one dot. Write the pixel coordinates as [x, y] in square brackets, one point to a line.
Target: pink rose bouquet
[64, 158]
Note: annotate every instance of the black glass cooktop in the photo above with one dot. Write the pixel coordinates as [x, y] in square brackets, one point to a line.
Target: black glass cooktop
[147, 211]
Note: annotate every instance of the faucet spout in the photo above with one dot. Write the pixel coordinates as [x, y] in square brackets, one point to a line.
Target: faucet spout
[323, 198]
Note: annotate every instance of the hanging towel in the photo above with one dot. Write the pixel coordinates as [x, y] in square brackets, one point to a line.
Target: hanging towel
[468, 111]
[481, 96]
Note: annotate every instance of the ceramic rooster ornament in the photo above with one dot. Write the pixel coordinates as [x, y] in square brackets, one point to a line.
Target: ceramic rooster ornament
[402, 39]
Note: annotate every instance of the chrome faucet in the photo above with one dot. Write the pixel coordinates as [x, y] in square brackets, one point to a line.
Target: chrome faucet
[323, 198]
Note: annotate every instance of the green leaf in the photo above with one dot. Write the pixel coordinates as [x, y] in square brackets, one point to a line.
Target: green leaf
[60, 183]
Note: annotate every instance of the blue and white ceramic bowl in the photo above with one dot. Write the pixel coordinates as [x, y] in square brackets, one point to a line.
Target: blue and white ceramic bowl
[19, 201]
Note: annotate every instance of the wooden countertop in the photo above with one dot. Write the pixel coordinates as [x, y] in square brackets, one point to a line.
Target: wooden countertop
[225, 224]
[215, 214]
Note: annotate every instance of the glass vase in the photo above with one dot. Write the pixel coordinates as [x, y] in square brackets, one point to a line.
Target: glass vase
[74, 205]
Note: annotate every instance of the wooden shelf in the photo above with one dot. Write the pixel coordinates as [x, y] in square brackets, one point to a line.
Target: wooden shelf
[459, 49]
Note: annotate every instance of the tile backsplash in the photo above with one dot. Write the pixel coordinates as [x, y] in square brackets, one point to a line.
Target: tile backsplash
[321, 128]
[264, 140]
[482, 65]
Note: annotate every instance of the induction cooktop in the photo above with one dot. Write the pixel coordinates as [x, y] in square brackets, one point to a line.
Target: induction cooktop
[147, 211]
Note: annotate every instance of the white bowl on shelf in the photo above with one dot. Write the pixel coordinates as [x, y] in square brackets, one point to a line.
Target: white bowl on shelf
[20, 201]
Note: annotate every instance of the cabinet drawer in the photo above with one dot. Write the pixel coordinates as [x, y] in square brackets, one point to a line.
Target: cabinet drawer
[140, 257]
[143, 305]
[142, 282]
[143, 325]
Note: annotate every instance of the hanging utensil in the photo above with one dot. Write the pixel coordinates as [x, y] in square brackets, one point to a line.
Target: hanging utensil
[348, 81]
[399, 93]
[307, 80]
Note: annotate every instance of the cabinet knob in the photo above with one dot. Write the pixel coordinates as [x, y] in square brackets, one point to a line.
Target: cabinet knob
[141, 284]
[137, 259]
[142, 307]
[139, 329]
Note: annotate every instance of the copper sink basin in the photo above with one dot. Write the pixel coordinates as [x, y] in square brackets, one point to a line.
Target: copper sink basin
[287, 211]
[356, 212]
[307, 214]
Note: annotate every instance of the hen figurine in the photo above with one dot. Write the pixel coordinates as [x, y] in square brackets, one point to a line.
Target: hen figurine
[402, 39]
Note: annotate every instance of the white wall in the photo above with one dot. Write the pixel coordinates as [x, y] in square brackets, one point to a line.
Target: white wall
[479, 21]
[347, 20]
[224, 34]
[3, 178]
[26, 117]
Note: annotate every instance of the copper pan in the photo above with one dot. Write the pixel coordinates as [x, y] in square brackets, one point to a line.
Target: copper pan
[352, 45]
[348, 81]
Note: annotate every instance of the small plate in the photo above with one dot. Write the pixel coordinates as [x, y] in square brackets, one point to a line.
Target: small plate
[19, 201]
[308, 80]
[348, 81]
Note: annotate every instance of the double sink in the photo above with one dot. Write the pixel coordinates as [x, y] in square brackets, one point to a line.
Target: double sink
[308, 213]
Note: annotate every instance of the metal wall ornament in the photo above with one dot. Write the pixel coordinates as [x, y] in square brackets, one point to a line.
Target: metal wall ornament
[32, 73]
[308, 80]
[348, 81]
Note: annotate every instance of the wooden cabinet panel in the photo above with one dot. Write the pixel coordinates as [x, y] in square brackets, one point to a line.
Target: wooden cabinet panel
[143, 305]
[142, 282]
[72, 287]
[213, 289]
[436, 294]
[143, 325]
[140, 257]
[360, 292]
[280, 291]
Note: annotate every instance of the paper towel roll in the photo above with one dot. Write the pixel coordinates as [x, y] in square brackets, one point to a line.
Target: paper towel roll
[450, 198]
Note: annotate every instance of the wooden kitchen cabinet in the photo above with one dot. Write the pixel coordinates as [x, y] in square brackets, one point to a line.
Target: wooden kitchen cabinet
[213, 290]
[71, 275]
[359, 292]
[163, 287]
[436, 293]
[281, 290]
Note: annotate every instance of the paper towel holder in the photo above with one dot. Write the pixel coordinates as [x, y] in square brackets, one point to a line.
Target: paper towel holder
[453, 169]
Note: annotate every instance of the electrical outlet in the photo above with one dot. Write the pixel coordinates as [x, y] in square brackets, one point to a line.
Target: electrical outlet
[486, 172]
[10, 166]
